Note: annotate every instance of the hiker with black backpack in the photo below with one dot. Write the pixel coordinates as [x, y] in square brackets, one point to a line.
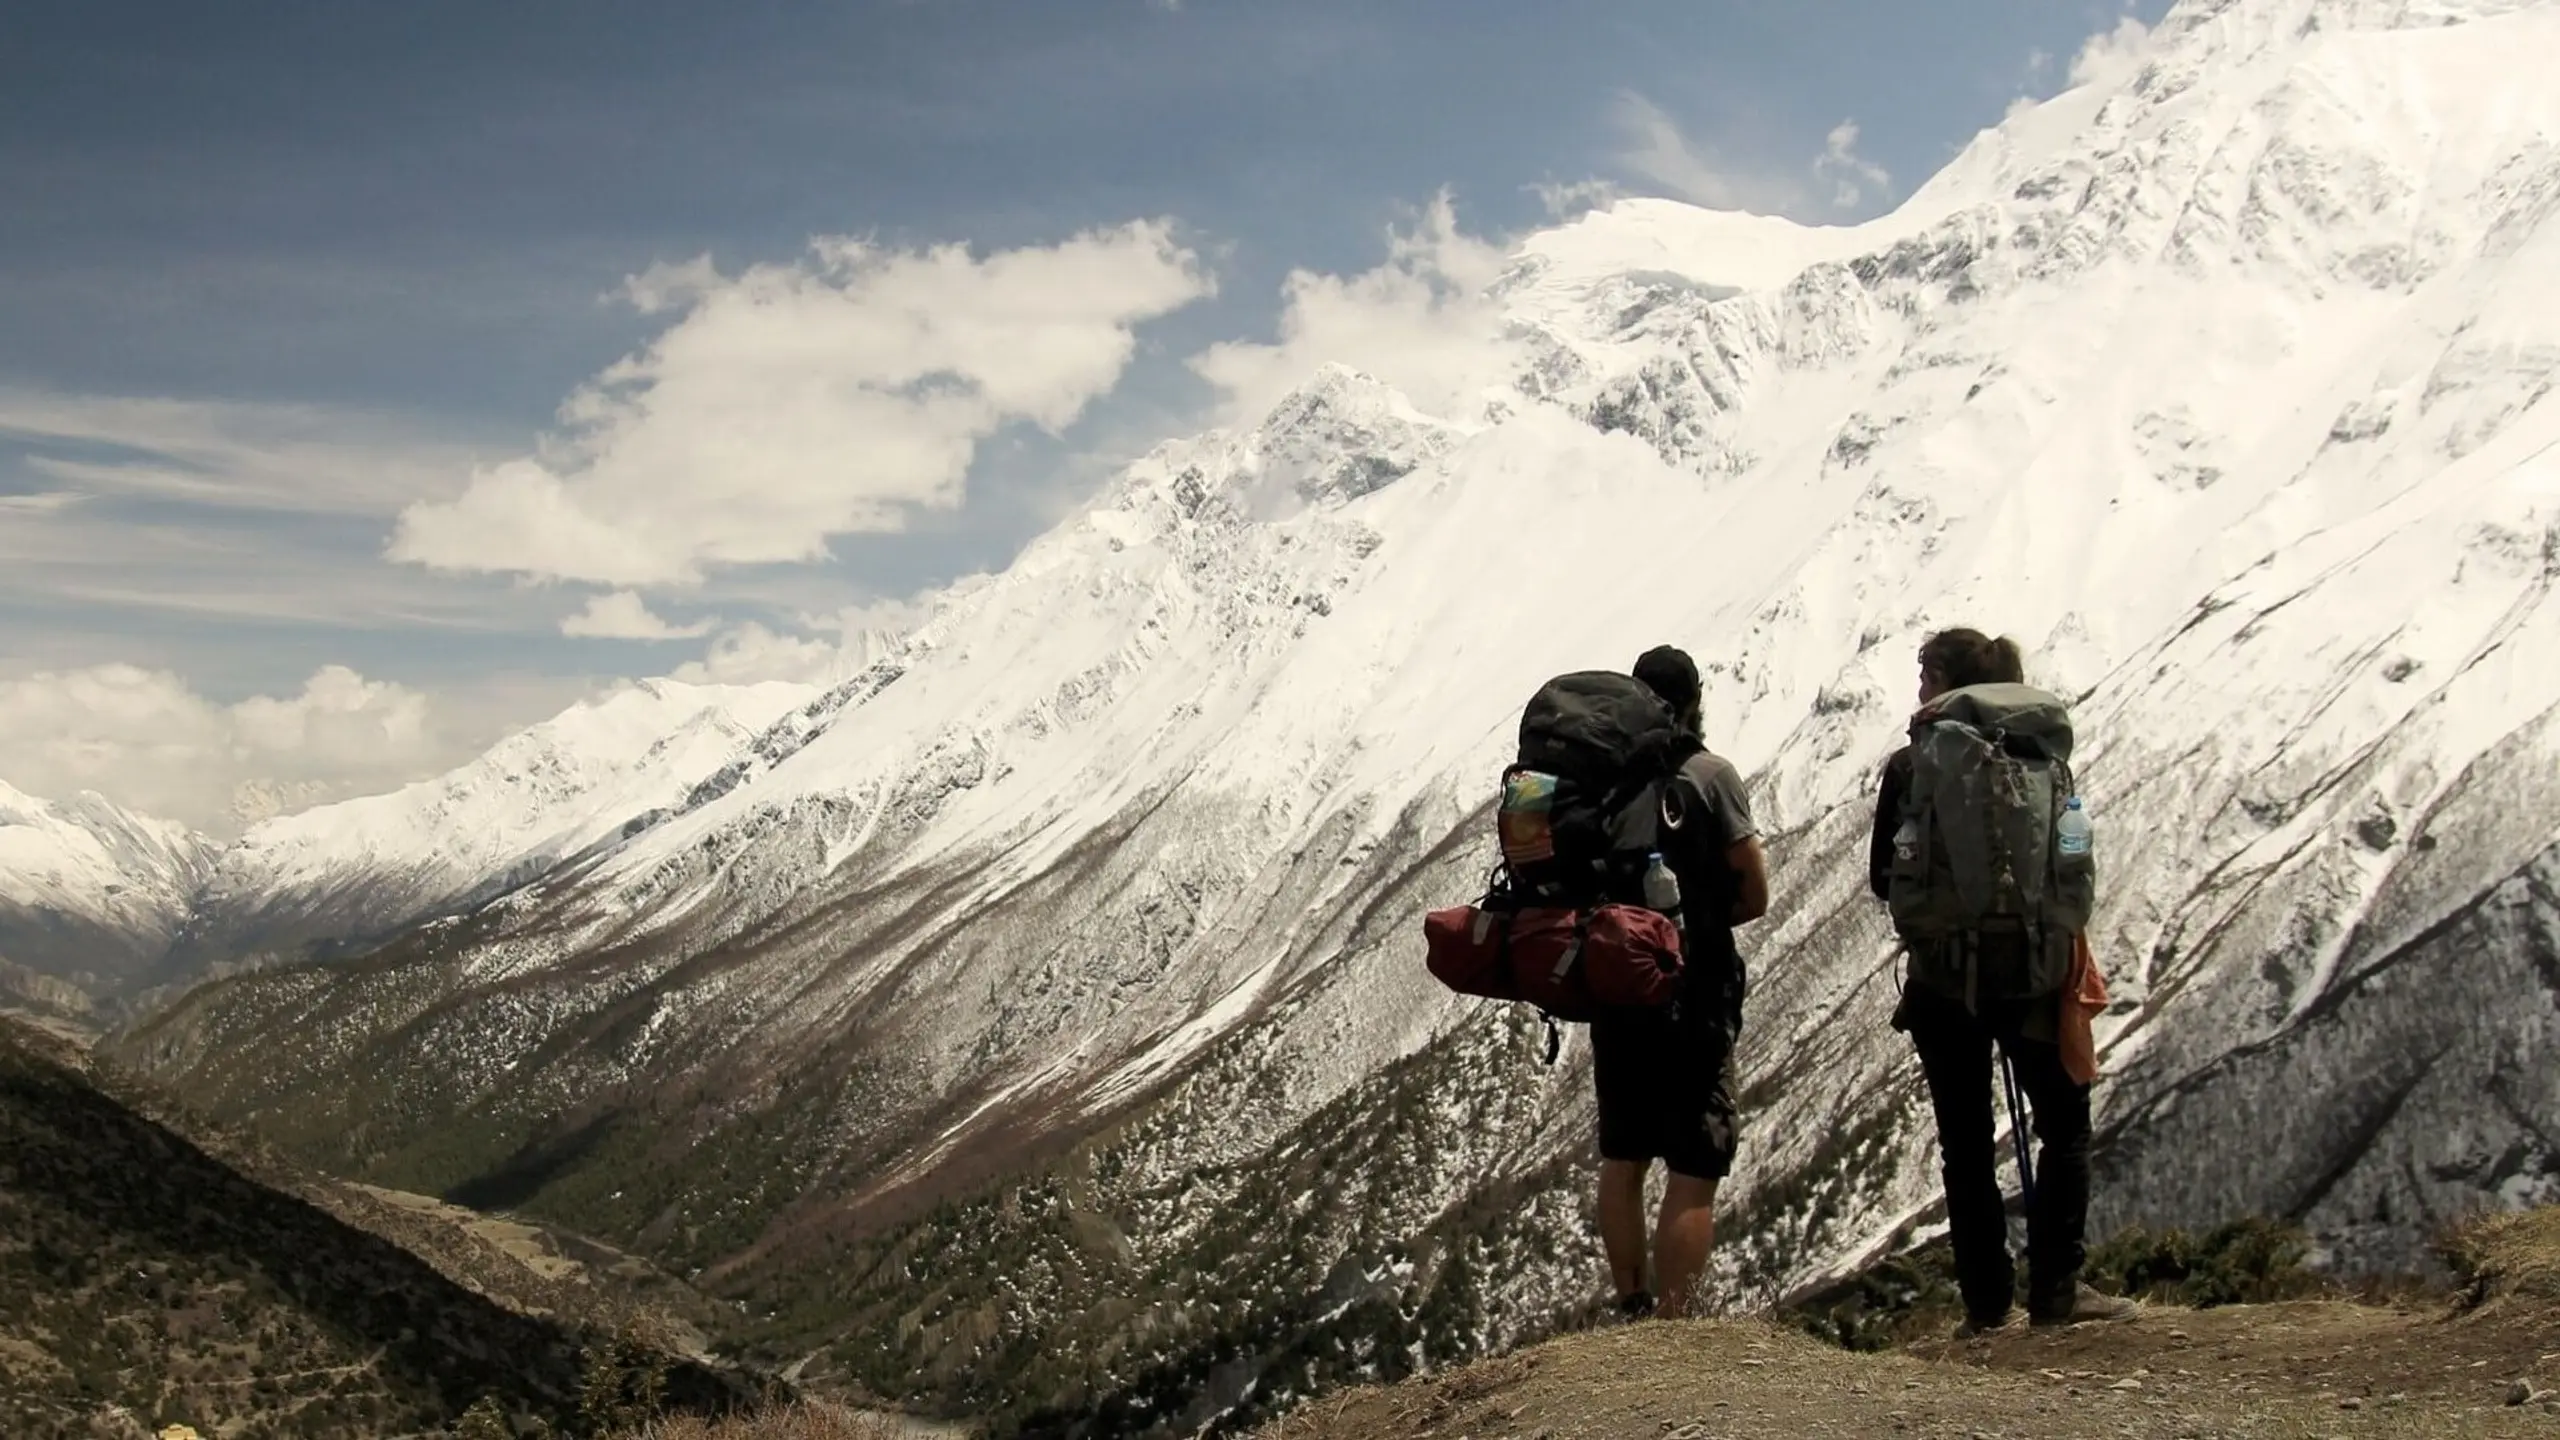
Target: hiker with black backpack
[1613, 812]
[1664, 1075]
[1981, 848]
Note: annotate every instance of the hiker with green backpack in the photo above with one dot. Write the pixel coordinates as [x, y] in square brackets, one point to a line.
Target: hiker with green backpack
[1981, 849]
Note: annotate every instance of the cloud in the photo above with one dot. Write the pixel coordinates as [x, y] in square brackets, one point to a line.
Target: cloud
[147, 740]
[1420, 322]
[790, 403]
[228, 455]
[1850, 174]
[207, 508]
[749, 653]
[834, 647]
[41, 502]
[1658, 150]
[2112, 55]
[1564, 200]
[623, 615]
[153, 563]
[2108, 57]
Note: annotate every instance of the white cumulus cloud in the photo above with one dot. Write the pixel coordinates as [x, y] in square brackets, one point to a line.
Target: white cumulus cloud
[792, 402]
[149, 741]
[2114, 54]
[623, 615]
[1420, 322]
[751, 653]
[823, 650]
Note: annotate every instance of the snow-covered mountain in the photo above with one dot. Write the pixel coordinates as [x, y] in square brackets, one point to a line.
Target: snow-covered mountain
[90, 893]
[112, 903]
[1093, 907]
[543, 799]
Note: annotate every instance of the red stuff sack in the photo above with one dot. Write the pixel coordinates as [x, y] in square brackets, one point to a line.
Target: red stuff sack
[1571, 964]
[1467, 948]
[1574, 964]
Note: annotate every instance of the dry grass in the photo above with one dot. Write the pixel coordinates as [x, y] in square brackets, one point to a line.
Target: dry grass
[798, 1421]
[2295, 1370]
[2510, 1254]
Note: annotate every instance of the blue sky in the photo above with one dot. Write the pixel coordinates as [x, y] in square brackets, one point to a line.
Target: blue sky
[275, 275]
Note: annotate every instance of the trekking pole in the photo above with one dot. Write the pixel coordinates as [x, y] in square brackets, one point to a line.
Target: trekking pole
[2018, 1129]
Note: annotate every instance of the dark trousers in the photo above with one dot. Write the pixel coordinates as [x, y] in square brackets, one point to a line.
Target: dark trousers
[1955, 1056]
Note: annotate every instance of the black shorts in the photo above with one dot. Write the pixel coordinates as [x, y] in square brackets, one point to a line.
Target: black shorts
[1665, 1086]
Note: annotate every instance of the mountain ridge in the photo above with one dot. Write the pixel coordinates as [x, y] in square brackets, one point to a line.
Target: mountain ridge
[169, 905]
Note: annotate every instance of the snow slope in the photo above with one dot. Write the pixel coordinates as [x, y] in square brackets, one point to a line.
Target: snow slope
[2221, 385]
[90, 891]
[598, 772]
[113, 902]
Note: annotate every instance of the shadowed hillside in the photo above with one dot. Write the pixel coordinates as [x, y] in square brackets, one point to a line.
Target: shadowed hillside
[144, 1282]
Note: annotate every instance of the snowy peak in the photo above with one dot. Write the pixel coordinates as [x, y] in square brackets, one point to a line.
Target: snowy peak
[2234, 32]
[596, 771]
[2324, 136]
[118, 902]
[85, 854]
[1639, 244]
[1340, 435]
[90, 891]
[1344, 434]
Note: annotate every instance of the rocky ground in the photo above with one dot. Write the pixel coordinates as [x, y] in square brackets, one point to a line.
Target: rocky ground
[2486, 1363]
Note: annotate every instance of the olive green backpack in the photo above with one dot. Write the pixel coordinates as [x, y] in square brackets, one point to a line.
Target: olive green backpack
[1975, 853]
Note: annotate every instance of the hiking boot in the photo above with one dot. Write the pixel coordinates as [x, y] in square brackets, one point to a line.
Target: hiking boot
[1975, 1326]
[2080, 1307]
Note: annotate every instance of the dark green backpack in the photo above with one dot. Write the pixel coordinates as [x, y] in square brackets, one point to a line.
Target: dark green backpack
[1975, 854]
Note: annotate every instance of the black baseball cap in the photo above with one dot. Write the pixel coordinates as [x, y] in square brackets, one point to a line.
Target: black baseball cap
[1671, 674]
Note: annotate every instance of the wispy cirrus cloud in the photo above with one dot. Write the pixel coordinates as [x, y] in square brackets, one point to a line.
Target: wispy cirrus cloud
[1657, 148]
[233, 455]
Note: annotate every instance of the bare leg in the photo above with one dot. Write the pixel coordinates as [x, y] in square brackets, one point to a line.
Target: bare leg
[1682, 1238]
[1622, 1223]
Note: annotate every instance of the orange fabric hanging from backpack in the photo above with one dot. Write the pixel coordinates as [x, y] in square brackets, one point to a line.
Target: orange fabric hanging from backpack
[2084, 998]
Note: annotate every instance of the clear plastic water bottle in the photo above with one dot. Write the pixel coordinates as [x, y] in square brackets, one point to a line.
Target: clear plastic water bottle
[2071, 833]
[1661, 887]
[1906, 843]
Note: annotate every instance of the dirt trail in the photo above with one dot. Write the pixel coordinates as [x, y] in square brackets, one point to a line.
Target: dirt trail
[2305, 1369]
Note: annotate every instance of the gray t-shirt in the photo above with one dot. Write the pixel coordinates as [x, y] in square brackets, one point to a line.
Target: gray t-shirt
[1704, 815]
